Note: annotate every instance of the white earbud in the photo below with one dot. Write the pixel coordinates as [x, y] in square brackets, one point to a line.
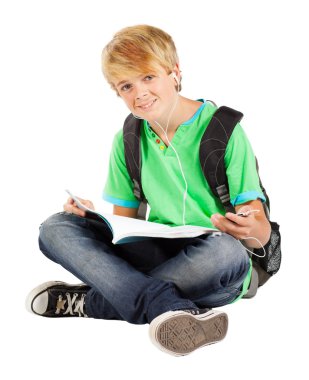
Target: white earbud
[175, 77]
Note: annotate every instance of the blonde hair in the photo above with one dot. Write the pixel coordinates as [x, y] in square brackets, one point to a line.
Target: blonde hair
[137, 50]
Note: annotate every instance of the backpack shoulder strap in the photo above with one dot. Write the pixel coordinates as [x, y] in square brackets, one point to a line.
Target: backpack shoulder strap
[212, 151]
[132, 153]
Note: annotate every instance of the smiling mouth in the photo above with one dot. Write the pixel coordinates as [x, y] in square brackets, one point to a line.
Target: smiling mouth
[147, 105]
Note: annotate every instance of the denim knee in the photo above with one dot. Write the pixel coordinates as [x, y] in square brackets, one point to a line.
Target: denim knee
[219, 256]
[230, 256]
[51, 231]
[208, 265]
[219, 266]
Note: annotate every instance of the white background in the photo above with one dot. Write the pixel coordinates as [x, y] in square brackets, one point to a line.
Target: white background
[58, 117]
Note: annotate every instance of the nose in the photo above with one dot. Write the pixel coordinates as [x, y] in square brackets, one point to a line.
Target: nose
[141, 91]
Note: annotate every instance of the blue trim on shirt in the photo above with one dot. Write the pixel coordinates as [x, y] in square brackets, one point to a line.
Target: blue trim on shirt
[199, 110]
[191, 120]
[120, 202]
[248, 196]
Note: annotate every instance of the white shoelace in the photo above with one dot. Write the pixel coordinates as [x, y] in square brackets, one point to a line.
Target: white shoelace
[77, 304]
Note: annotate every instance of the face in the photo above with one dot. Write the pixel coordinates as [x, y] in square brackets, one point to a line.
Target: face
[150, 96]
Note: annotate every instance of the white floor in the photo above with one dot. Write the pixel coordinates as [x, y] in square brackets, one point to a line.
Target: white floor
[58, 117]
[267, 334]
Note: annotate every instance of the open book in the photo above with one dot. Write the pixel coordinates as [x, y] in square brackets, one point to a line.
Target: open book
[127, 230]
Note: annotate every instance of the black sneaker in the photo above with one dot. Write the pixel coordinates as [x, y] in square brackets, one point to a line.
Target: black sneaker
[58, 299]
[180, 332]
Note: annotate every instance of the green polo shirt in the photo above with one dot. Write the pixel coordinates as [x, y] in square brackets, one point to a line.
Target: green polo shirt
[163, 183]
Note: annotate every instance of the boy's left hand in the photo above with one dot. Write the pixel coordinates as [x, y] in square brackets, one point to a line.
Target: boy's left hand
[254, 227]
[238, 226]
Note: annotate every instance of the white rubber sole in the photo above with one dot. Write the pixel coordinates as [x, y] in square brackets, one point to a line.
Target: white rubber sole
[180, 333]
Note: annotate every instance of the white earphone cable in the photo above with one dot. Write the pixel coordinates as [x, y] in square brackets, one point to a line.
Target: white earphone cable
[183, 176]
[253, 253]
[178, 159]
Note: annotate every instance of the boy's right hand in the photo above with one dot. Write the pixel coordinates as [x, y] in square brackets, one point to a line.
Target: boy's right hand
[71, 207]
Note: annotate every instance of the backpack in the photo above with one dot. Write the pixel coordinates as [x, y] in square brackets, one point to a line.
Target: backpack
[212, 150]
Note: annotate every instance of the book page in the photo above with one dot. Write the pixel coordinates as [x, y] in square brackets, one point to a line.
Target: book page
[124, 226]
[187, 231]
[126, 229]
[121, 225]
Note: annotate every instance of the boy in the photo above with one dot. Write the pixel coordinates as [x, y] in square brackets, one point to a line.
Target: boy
[171, 284]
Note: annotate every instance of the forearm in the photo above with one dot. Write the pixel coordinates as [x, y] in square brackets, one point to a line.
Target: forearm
[125, 211]
[261, 232]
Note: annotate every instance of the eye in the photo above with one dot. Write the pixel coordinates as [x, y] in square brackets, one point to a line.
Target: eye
[148, 77]
[126, 87]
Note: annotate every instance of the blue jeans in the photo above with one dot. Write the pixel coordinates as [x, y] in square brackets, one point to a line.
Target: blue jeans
[138, 281]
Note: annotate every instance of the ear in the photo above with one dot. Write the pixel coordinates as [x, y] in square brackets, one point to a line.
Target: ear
[177, 77]
[176, 72]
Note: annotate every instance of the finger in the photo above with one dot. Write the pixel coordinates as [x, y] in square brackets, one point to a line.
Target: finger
[68, 207]
[216, 218]
[89, 204]
[77, 211]
[226, 220]
[221, 222]
[230, 227]
[240, 220]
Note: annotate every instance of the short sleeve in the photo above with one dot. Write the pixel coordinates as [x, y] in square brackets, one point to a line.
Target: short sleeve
[243, 179]
[118, 188]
